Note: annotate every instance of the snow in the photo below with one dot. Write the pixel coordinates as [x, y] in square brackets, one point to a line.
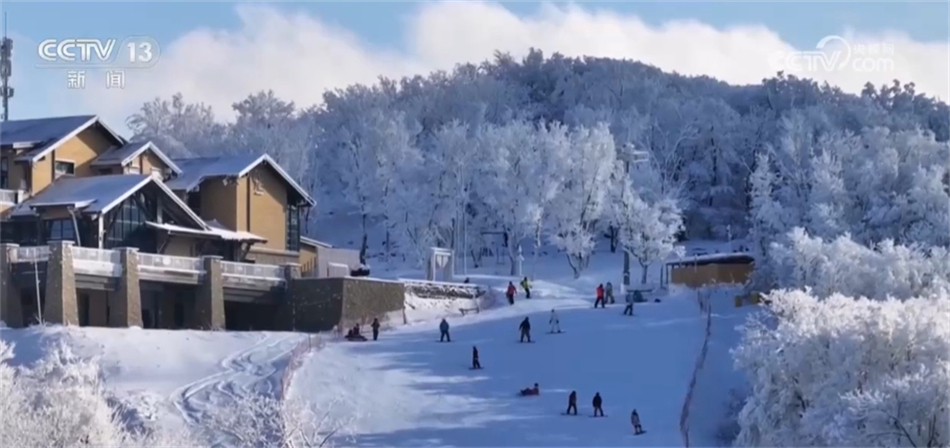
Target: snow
[94, 194]
[170, 375]
[214, 228]
[408, 389]
[196, 170]
[125, 153]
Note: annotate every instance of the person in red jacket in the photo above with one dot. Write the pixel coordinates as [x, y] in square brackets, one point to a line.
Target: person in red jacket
[600, 297]
[510, 293]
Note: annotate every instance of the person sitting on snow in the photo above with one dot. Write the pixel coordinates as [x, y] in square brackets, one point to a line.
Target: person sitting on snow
[531, 391]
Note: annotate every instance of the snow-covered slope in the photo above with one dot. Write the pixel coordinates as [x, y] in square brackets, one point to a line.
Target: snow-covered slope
[410, 390]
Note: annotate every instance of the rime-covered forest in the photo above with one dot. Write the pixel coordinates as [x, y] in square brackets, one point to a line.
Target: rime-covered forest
[565, 150]
[842, 198]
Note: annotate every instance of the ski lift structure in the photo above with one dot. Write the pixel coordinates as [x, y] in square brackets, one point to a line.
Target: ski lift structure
[637, 157]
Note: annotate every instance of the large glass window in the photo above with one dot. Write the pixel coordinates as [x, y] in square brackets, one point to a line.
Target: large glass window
[4, 172]
[194, 202]
[127, 227]
[60, 230]
[293, 228]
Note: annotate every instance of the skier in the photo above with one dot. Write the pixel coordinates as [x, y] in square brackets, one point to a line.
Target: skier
[555, 323]
[598, 402]
[525, 328]
[527, 287]
[375, 326]
[628, 311]
[531, 391]
[635, 421]
[444, 330]
[475, 364]
[510, 293]
[572, 403]
[610, 293]
[600, 296]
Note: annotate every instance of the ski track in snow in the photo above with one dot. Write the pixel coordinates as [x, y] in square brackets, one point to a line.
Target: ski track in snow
[251, 371]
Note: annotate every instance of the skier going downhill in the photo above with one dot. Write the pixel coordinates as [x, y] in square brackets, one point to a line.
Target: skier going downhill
[525, 328]
[635, 421]
[475, 364]
[572, 403]
[600, 297]
[555, 323]
[609, 290]
[527, 287]
[510, 293]
[444, 331]
[598, 402]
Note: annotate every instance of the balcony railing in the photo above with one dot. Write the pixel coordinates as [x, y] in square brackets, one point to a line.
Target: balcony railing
[8, 196]
[89, 260]
[267, 271]
[170, 263]
[32, 254]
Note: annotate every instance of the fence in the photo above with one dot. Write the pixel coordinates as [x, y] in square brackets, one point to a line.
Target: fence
[705, 307]
[295, 360]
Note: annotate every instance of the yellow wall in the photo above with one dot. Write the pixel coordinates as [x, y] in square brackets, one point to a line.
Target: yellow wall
[268, 208]
[219, 201]
[181, 246]
[145, 162]
[308, 258]
[81, 150]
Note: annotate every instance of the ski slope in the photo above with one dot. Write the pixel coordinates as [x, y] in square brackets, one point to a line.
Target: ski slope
[410, 390]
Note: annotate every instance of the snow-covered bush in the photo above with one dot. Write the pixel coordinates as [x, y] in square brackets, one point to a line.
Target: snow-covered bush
[60, 403]
[846, 372]
[259, 421]
[846, 267]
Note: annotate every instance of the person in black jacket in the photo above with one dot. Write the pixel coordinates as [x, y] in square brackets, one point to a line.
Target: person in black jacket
[525, 328]
[475, 364]
[572, 403]
[375, 326]
[598, 402]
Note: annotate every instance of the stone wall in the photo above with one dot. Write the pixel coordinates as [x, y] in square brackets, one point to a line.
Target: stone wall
[321, 304]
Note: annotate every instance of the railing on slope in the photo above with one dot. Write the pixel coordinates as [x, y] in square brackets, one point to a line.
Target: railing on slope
[295, 360]
[427, 289]
[705, 306]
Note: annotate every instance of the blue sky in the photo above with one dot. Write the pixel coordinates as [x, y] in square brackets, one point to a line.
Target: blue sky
[381, 25]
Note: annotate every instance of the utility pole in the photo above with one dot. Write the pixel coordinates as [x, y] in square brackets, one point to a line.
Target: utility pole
[6, 69]
[636, 157]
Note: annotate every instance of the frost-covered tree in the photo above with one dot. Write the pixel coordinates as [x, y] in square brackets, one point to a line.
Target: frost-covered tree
[584, 195]
[846, 372]
[180, 129]
[647, 229]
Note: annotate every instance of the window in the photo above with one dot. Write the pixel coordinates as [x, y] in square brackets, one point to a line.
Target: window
[60, 230]
[194, 202]
[105, 171]
[293, 228]
[4, 172]
[127, 228]
[258, 184]
[62, 167]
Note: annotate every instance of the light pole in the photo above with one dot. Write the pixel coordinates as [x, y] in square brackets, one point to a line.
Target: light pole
[635, 157]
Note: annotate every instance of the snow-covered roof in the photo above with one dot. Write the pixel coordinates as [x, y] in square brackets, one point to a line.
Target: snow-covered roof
[314, 243]
[196, 170]
[125, 153]
[709, 258]
[212, 232]
[42, 135]
[99, 194]
[90, 195]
